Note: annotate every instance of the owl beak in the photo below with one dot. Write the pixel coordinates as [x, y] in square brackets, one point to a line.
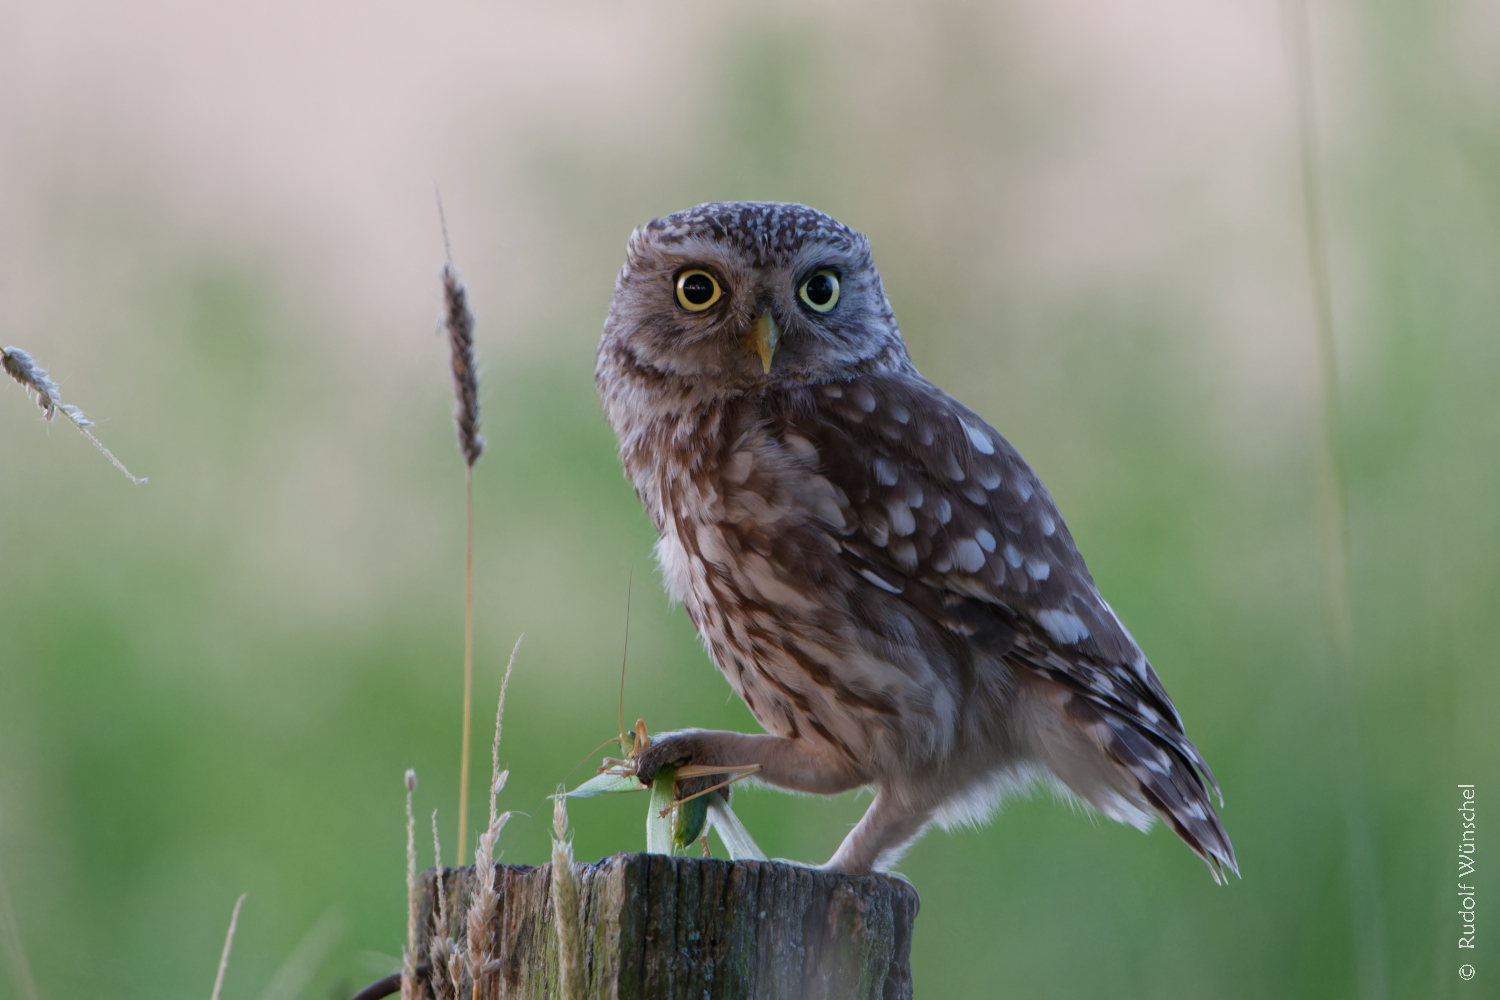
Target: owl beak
[764, 338]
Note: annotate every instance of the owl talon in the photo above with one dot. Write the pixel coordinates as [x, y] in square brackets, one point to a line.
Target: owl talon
[666, 750]
[678, 750]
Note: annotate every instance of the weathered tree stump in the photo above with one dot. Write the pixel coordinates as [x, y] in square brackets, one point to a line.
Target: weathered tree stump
[661, 928]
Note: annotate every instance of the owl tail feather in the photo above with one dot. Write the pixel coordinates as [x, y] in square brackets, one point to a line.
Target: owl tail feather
[1166, 779]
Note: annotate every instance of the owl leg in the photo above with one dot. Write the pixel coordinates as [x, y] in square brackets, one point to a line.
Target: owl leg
[880, 838]
[797, 765]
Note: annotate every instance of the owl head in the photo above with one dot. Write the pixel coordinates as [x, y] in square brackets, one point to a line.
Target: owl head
[742, 295]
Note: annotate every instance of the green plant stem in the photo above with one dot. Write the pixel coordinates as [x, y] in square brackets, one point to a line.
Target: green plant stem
[463, 768]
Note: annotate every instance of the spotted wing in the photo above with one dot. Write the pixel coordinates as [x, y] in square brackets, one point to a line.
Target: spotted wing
[943, 512]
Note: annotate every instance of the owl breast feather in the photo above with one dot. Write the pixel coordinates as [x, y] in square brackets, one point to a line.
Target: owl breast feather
[750, 544]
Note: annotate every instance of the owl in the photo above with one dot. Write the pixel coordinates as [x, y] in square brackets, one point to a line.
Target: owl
[875, 570]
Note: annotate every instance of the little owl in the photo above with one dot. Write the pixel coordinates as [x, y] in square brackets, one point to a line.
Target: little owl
[875, 570]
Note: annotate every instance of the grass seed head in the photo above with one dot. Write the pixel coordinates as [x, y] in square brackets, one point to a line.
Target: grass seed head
[23, 368]
[565, 904]
[459, 322]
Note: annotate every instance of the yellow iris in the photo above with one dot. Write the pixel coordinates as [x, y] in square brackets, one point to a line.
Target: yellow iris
[821, 291]
[697, 290]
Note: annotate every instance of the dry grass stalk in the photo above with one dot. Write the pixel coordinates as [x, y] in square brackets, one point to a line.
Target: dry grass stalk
[234, 921]
[21, 367]
[409, 987]
[459, 322]
[439, 945]
[500, 718]
[463, 768]
[570, 967]
[484, 900]
[438, 870]
[456, 966]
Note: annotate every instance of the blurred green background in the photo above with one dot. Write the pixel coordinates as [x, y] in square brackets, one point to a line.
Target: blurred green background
[217, 230]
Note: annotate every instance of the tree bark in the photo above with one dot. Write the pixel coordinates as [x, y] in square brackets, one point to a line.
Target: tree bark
[662, 928]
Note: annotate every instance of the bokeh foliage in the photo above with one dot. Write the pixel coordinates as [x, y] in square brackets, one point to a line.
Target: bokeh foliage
[214, 683]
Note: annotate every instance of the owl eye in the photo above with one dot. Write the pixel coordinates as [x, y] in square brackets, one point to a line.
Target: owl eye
[821, 291]
[697, 290]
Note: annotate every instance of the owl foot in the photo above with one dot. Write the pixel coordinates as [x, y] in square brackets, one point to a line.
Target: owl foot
[681, 749]
[882, 835]
[796, 765]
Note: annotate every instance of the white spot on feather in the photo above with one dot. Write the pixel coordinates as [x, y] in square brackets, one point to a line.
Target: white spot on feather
[988, 478]
[801, 447]
[899, 413]
[885, 472]
[979, 439]
[968, 555]
[676, 569]
[756, 572]
[827, 508]
[1064, 627]
[1012, 556]
[710, 543]
[985, 539]
[1148, 713]
[942, 510]
[889, 588]
[1049, 526]
[738, 468]
[1120, 809]
[1024, 489]
[1037, 569]
[902, 521]
[904, 553]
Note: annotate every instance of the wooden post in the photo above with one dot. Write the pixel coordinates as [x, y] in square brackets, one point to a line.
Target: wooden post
[663, 928]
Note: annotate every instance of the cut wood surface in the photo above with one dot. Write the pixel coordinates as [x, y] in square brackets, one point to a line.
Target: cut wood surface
[664, 928]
